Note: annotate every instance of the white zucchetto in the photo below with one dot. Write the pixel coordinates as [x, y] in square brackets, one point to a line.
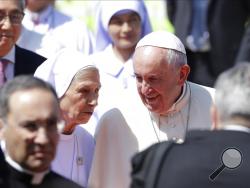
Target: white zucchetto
[162, 39]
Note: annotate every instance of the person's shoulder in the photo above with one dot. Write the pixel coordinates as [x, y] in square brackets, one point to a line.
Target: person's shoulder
[100, 59]
[28, 54]
[201, 87]
[61, 17]
[198, 135]
[201, 90]
[111, 122]
[55, 180]
[84, 134]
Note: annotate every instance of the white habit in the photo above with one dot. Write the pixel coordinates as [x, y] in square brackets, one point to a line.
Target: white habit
[74, 156]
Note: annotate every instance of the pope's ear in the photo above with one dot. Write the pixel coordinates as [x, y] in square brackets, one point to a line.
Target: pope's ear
[184, 72]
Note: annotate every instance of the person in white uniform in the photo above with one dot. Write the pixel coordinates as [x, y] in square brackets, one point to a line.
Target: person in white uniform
[120, 25]
[46, 30]
[77, 87]
[169, 106]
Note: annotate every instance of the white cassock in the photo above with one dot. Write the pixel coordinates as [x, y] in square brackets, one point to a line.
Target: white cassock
[54, 32]
[130, 128]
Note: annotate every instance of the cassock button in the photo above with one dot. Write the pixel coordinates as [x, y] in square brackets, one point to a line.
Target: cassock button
[79, 161]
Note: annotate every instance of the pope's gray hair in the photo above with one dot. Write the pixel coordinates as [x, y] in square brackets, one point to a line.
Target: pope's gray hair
[176, 57]
[233, 93]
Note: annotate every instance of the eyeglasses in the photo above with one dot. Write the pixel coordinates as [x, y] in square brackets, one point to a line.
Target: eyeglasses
[14, 17]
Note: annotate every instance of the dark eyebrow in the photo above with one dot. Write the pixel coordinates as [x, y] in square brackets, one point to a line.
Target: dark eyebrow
[16, 11]
[12, 11]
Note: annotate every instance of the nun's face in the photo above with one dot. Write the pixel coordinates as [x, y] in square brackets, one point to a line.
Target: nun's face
[78, 103]
[125, 30]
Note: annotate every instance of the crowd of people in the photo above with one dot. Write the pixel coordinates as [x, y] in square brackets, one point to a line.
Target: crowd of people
[83, 109]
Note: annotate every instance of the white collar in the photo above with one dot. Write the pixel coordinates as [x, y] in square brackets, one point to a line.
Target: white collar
[11, 55]
[114, 66]
[37, 177]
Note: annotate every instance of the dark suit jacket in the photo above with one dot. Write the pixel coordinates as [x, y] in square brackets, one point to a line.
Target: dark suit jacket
[11, 178]
[227, 23]
[26, 62]
[244, 51]
[189, 165]
[3, 170]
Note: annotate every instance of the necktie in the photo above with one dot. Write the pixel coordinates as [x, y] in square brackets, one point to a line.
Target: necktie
[3, 65]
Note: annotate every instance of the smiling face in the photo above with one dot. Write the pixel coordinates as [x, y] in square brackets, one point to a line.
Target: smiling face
[125, 30]
[80, 100]
[159, 83]
[30, 132]
[9, 32]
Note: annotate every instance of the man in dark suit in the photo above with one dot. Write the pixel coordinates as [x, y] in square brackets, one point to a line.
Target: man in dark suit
[192, 164]
[29, 132]
[229, 28]
[22, 61]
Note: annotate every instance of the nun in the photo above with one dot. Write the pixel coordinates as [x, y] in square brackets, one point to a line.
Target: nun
[120, 25]
[76, 81]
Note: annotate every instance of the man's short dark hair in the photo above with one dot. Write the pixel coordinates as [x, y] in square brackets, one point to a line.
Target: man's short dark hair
[19, 83]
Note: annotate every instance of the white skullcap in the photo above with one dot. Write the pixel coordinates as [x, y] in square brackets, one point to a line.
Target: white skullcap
[60, 69]
[162, 39]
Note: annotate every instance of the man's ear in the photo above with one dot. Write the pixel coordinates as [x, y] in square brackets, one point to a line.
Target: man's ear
[184, 72]
[214, 117]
